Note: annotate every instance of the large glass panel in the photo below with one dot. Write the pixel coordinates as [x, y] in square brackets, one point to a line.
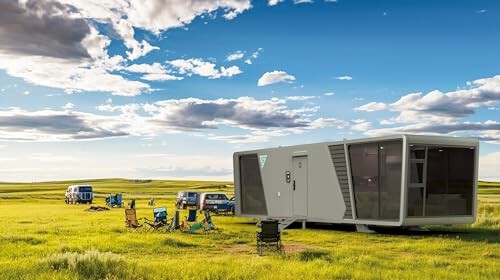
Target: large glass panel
[390, 164]
[450, 180]
[415, 202]
[364, 169]
[252, 192]
[416, 186]
[416, 172]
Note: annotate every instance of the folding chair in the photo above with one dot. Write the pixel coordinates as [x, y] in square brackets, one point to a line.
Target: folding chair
[174, 224]
[207, 222]
[159, 219]
[131, 221]
[269, 237]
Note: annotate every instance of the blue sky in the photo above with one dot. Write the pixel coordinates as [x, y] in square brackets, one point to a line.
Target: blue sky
[170, 89]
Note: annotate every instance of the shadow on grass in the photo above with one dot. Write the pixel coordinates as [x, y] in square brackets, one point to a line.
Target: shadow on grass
[474, 234]
[459, 233]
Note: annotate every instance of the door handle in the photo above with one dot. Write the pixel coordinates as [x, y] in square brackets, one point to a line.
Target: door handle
[293, 184]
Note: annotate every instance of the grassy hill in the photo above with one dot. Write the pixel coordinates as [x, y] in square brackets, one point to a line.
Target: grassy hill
[42, 238]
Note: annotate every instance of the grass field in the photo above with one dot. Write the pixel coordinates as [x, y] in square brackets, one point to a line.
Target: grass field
[42, 238]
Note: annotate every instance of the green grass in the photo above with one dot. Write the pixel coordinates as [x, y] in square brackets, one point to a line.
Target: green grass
[42, 238]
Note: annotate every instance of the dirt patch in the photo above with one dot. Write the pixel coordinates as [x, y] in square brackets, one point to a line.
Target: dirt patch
[246, 248]
[239, 248]
[97, 208]
[295, 247]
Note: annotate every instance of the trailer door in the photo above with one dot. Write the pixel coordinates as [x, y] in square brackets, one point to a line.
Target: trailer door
[299, 186]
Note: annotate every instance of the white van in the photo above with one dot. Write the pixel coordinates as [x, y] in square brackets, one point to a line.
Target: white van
[79, 194]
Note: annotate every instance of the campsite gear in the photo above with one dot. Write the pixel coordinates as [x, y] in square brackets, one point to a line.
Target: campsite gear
[192, 216]
[159, 219]
[114, 200]
[269, 238]
[361, 181]
[174, 224]
[97, 208]
[151, 202]
[191, 228]
[208, 225]
[194, 227]
[132, 204]
[131, 221]
[189, 224]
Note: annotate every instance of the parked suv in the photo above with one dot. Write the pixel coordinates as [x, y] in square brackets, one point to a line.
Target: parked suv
[216, 202]
[185, 199]
[79, 194]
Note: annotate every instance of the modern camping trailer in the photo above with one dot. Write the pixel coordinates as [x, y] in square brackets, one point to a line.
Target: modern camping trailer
[401, 181]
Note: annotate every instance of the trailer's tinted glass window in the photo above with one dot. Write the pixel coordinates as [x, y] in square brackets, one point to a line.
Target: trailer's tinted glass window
[252, 192]
[415, 201]
[390, 164]
[450, 181]
[416, 172]
[376, 177]
[364, 170]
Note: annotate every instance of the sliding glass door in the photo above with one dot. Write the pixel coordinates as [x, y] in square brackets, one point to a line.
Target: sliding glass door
[441, 181]
[376, 178]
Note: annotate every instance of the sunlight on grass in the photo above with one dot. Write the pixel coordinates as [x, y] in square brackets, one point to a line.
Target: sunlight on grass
[43, 238]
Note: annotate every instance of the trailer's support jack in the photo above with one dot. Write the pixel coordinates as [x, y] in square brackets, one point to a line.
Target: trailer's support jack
[304, 224]
[418, 228]
[363, 229]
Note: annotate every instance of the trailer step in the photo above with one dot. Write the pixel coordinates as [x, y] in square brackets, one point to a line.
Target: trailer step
[284, 223]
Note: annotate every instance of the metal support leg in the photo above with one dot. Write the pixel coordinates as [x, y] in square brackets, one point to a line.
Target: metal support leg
[363, 229]
[304, 224]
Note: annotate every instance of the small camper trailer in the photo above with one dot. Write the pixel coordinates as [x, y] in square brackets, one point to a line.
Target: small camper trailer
[401, 181]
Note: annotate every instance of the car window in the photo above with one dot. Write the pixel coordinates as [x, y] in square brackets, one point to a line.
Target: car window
[216, 196]
[191, 194]
[85, 189]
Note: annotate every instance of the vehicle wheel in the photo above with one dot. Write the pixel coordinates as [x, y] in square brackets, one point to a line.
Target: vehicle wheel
[184, 206]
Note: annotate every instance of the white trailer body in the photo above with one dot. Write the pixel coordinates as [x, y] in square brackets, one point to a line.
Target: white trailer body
[402, 180]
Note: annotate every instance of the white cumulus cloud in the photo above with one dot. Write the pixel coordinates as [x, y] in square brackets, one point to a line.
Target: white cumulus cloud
[197, 66]
[274, 77]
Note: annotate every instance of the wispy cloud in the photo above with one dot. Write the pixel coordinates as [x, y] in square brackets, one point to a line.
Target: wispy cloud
[274, 2]
[237, 55]
[344, 78]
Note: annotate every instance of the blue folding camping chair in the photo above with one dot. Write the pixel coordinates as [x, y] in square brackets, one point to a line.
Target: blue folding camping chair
[208, 225]
[159, 219]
